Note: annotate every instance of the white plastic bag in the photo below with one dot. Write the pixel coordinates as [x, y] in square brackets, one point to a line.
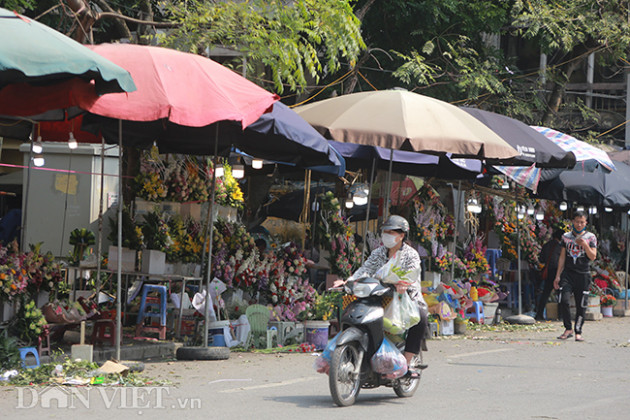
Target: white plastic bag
[385, 273]
[388, 360]
[401, 314]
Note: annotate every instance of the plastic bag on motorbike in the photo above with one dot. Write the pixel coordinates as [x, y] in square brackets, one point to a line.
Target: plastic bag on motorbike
[388, 360]
[322, 363]
[401, 314]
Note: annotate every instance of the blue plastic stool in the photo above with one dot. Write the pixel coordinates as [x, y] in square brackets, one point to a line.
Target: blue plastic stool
[146, 307]
[477, 314]
[25, 351]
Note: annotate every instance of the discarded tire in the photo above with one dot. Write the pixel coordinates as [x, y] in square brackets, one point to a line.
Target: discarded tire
[133, 365]
[203, 353]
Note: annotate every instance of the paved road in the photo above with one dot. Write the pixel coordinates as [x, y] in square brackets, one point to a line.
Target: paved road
[486, 375]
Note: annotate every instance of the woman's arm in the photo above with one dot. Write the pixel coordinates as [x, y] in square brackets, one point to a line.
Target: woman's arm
[563, 256]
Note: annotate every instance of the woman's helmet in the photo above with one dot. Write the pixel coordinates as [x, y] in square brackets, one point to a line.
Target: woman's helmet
[396, 223]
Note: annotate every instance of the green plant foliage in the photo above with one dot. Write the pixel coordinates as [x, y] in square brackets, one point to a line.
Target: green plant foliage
[9, 353]
[297, 42]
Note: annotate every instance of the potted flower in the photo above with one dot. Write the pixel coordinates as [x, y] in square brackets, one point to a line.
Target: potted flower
[607, 302]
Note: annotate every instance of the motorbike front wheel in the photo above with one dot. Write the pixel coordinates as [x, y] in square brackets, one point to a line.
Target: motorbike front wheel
[345, 374]
[406, 387]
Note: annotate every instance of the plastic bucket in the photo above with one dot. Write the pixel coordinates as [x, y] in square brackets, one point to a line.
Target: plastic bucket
[489, 310]
[316, 333]
[216, 333]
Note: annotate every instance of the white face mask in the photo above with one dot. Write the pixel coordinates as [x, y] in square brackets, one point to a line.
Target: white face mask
[389, 240]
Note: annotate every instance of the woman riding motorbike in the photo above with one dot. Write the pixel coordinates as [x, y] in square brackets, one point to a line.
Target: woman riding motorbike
[394, 233]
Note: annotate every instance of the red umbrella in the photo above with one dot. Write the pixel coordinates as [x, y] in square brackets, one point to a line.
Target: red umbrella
[185, 89]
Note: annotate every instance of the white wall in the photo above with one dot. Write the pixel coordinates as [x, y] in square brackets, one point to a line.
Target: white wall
[55, 194]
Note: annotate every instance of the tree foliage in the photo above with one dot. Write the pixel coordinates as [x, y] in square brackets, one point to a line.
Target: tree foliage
[297, 43]
[445, 48]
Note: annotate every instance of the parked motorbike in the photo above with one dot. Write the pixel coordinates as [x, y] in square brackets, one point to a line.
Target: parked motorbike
[361, 336]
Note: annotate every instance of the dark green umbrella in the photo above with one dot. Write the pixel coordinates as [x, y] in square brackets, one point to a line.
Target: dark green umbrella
[31, 52]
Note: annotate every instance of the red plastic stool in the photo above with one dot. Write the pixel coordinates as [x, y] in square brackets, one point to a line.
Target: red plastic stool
[104, 331]
[43, 342]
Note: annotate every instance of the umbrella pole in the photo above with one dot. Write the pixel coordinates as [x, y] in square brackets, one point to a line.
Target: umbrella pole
[28, 187]
[210, 237]
[367, 211]
[625, 305]
[99, 244]
[389, 184]
[119, 250]
[456, 208]
[518, 255]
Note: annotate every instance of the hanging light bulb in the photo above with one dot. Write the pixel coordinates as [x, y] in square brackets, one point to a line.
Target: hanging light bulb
[540, 216]
[38, 160]
[238, 171]
[219, 171]
[563, 206]
[608, 209]
[592, 210]
[506, 183]
[580, 208]
[72, 142]
[472, 205]
[530, 211]
[349, 202]
[257, 163]
[360, 198]
[520, 215]
[38, 147]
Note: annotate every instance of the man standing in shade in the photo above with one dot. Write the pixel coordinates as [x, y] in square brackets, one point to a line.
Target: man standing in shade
[549, 255]
[579, 248]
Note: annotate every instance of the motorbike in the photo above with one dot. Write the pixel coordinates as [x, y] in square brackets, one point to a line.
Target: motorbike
[361, 336]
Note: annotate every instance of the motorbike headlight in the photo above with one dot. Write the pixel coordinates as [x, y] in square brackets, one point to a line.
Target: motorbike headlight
[362, 290]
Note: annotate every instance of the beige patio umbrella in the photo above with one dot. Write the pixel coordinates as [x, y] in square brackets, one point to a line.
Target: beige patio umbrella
[403, 120]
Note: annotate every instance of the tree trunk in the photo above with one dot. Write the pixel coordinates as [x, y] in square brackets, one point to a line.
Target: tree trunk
[144, 31]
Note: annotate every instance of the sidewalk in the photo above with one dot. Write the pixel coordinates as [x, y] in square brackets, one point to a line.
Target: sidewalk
[129, 350]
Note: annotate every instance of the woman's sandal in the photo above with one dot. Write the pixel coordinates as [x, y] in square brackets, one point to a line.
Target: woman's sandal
[578, 337]
[564, 336]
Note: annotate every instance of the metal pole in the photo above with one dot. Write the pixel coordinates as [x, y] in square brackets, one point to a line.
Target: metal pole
[389, 185]
[518, 255]
[367, 211]
[119, 250]
[457, 208]
[625, 304]
[99, 244]
[28, 188]
[210, 236]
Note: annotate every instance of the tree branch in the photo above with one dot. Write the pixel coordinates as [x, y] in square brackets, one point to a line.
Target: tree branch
[138, 21]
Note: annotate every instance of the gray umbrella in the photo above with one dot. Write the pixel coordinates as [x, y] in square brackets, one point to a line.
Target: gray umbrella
[532, 146]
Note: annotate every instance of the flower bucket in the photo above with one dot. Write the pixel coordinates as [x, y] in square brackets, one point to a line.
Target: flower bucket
[316, 333]
[489, 310]
[607, 311]
[433, 277]
[216, 333]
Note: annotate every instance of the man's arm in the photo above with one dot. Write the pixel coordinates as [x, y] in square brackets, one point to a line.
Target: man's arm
[591, 253]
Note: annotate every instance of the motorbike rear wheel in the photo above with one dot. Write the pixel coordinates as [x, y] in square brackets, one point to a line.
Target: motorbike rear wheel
[345, 374]
[406, 387]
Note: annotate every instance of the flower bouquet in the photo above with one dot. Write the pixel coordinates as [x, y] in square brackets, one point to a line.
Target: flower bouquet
[608, 300]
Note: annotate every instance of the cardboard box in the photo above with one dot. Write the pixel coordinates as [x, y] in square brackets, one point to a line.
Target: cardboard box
[153, 262]
[551, 310]
[128, 262]
[447, 327]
